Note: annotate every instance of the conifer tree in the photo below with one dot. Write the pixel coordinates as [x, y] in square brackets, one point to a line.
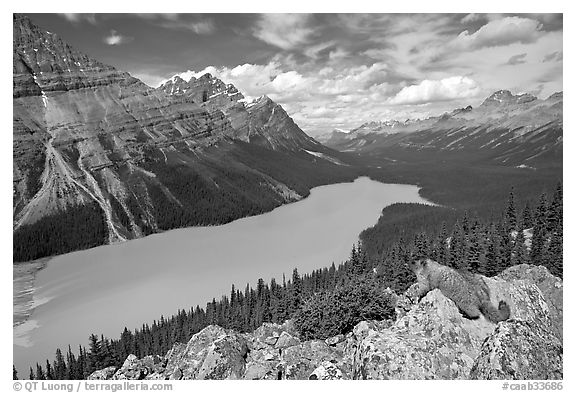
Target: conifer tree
[527, 217]
[39, 372]
[59, 366]
[49, 374]
[555, 211]
[14, 373]
[511, 213]
[31, 376]
[539, 232]
[519, 253]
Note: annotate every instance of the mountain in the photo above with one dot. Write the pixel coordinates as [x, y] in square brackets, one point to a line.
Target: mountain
[261, 121]
[101, 157]
[506, 129]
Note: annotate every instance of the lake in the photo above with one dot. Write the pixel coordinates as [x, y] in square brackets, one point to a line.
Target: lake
[104, 289]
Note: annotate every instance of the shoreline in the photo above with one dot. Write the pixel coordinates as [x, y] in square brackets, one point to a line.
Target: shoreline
[23, 279]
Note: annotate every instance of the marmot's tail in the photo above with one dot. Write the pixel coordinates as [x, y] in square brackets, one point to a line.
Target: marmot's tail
[493, 314]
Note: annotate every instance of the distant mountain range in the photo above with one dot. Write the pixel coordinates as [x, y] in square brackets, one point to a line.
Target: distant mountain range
[506, 129]
[94, 147]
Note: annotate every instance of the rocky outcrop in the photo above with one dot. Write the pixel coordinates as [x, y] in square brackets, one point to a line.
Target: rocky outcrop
[431, 340]
[519, 349]
[104, 374]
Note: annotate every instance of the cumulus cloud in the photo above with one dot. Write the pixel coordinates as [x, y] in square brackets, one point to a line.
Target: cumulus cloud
[116, 39]
[500, 32]
[79, 18]
[286, 31]
[517, 59]
[446, 89]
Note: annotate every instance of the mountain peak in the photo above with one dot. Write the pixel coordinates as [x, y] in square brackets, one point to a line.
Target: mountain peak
[505, 97]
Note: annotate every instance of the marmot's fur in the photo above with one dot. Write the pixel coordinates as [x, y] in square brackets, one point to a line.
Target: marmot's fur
[467, 290]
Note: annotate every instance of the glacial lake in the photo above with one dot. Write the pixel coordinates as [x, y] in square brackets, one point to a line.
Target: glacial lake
[106, 288]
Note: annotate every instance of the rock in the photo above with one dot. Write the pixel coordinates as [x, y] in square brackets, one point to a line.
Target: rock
[434, 341]
[103, 374]
[519, 350]
[286, 340]
[300, 361]
[430, 342]
[551, 287]
[212, 353]
[135, 369]
[326, 370]
[271, 340]
[332, 341]
[267, 335]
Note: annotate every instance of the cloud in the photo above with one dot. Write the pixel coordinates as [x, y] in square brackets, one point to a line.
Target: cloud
[446, 89]
[472, 18]
[116, 39]
[554, 56]
[517, 59]
[500, 32]
[79, 18]
[286, 31]
[202, 26]
[314, 51]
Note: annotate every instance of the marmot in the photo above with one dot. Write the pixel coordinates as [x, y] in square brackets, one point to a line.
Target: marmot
[467, 290]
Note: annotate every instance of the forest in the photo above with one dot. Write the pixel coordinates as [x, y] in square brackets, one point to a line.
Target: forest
[333, 299]
[78, 227]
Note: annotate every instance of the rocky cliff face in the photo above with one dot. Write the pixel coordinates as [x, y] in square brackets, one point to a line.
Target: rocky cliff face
[429, 340]
[512, 130]
[86, 134]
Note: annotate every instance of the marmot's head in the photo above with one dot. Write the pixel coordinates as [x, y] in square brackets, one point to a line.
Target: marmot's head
[417, 264]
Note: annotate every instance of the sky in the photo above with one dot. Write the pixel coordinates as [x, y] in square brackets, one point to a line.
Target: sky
[334, 71]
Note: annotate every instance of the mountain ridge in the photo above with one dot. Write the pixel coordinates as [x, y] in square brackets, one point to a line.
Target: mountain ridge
[505, 129]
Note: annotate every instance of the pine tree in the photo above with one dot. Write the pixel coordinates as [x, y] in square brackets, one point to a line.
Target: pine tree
[555, 211]
[527, 217]
[59, 366]
[511, 213]
[14, 373]
[31, 376]
[296, 291]
[49, 373]
[40, 373]
[441, 248]
[95, 355]
[493, 253]
[519, 253]
[554, 258]
[539, 232]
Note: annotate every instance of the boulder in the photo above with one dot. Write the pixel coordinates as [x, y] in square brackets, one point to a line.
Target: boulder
[519, 350]
[286, 340]
[552, 289]
[326, 370]
[212, 353]
[135, 369]
[103, 374]
[300, 361]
